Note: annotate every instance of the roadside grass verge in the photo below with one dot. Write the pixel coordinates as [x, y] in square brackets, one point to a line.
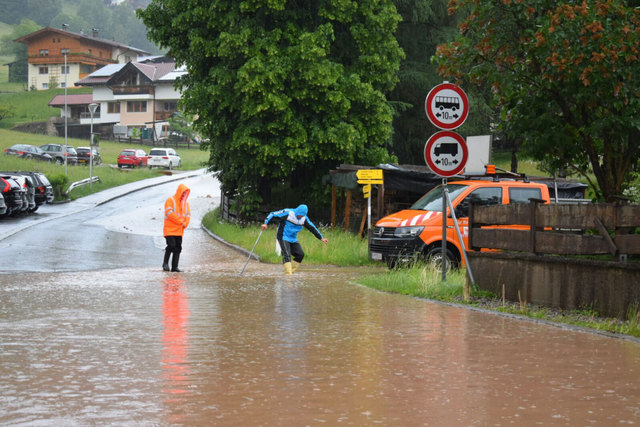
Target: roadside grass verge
[417, 279]
[110, 176]
[344, 249]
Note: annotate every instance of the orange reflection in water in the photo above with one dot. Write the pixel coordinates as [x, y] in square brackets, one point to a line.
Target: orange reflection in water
[175, 338]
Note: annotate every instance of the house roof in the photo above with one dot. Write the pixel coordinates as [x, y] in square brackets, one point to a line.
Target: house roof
[79, 99]
[153, 71]
[47, 30]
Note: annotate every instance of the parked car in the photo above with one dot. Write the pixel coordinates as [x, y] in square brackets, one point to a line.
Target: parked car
[84, 154]
[3, 206]
[12, 193]
[417, 231]
[132, 158]
[164, 158]
[27, 193]
[42, 188]
[28, 152]
[58, 153]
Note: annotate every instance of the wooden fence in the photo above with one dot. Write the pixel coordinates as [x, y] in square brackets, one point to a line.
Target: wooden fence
[533, 263]
[562, 229]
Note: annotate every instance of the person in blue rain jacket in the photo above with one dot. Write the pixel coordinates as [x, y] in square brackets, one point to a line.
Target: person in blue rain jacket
[290, 222]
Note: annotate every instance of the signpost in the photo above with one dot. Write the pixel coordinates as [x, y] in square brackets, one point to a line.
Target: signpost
[368, 177]
[446, 152]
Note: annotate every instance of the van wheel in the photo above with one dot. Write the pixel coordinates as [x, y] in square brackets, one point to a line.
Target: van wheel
[434, 258]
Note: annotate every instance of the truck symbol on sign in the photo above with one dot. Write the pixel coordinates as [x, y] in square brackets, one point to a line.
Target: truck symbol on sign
[448, 102]
[446, 148]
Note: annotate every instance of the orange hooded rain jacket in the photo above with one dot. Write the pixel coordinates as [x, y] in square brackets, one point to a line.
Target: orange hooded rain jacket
[176, 212]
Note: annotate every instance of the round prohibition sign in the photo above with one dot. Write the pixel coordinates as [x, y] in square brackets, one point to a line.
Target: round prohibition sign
[446, 153]
[447, 106]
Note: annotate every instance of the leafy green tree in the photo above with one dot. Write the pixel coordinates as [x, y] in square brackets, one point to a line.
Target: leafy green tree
[566, 75]
[283, 89]
[6, 111]
[19, 71]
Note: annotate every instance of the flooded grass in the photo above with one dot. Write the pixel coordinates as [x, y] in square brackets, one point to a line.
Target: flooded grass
[344, 249]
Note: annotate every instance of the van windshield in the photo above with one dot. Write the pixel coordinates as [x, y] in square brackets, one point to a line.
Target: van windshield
[432, 201]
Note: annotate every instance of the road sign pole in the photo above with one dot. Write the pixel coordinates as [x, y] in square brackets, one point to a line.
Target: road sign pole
[368, 214]
[445, 196]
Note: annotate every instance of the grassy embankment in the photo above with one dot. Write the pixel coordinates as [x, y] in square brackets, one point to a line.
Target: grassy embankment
[110, 176]
[346, 249]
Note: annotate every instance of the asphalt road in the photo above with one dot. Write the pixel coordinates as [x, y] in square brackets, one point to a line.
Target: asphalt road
[102, 231]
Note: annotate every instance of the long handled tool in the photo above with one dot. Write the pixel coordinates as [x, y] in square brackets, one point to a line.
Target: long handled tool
[251, 253]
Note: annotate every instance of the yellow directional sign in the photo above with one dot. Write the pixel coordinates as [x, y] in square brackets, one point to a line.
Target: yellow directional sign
[366, 189]
[369, 176]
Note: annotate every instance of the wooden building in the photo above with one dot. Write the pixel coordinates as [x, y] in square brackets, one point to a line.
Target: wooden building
[49, 49]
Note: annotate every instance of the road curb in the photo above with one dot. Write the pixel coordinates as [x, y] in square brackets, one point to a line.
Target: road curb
[231, 245]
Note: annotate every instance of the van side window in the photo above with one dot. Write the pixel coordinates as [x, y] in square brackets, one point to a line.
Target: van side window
[522, 195]
[481, 196]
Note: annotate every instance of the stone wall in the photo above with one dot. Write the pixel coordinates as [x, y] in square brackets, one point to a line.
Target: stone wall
[610, 288]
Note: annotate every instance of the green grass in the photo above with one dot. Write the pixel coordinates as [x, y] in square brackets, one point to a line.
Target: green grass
[343, 248]
[32, 106]
[109, 175]
[502, 159]
[418, 280]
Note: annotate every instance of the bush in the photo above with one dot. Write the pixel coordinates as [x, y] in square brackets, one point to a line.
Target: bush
[59, 182]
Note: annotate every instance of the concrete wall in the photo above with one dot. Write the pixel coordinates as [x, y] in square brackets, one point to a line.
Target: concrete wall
[610, 288]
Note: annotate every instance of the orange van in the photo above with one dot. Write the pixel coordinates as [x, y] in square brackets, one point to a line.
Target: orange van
[417, 231]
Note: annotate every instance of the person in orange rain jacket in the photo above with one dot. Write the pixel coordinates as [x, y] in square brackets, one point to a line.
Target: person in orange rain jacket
[176, 219]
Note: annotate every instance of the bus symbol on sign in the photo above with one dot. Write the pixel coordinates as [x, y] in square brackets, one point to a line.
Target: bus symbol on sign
[448, 102]
[447, 106]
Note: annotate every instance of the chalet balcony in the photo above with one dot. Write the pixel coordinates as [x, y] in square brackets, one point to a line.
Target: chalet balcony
[87, 115]
[83, 58]
[133, 90]
[163, 116]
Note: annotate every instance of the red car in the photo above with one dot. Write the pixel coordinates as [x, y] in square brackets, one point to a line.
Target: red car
[132, 158]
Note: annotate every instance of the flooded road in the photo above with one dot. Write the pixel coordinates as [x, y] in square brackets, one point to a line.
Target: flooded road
[137, 346]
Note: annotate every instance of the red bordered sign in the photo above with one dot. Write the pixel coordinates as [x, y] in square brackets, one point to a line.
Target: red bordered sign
[447, 106]
[446, 153]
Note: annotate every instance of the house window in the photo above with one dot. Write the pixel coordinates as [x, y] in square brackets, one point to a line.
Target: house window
[136, 106]
[113, 107]
[63, 85]
[64, 51]
[45, 85]
[170, 106]
[64, 69]
[44, 52]
[43, 70]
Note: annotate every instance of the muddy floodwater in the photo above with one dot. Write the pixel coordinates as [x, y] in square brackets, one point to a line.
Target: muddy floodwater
[135, 345]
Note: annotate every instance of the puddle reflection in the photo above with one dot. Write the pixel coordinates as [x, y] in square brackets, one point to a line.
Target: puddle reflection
[175, 339]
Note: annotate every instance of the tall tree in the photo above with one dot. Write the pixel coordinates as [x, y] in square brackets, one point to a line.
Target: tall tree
[284, 89]
[566, 75]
